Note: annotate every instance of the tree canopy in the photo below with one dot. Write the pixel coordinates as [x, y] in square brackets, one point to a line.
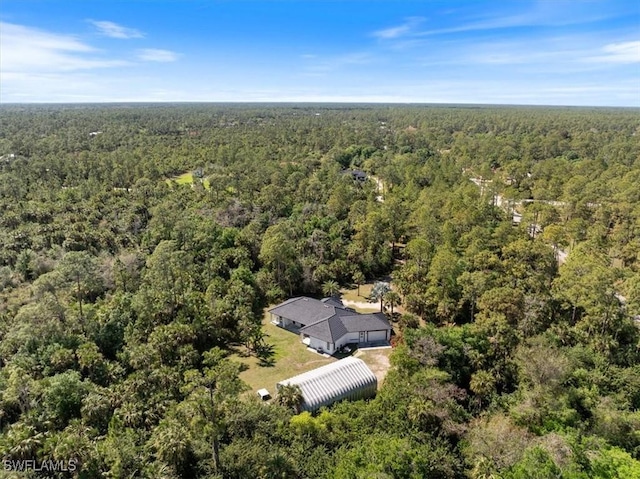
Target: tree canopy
[135, 262]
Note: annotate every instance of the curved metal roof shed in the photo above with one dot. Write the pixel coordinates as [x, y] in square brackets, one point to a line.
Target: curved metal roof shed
[349, 378]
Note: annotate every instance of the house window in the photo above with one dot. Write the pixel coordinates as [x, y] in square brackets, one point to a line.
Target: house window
[329, 346]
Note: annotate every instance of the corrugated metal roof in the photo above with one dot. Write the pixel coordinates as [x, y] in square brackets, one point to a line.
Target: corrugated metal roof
[349, 378]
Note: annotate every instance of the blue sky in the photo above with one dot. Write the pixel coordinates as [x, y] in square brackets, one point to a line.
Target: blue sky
[545, 52]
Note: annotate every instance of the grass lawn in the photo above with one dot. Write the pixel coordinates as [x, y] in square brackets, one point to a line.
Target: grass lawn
[352, 294]
[184, 178]
[187, 179]
[290, 358]
[360, 300]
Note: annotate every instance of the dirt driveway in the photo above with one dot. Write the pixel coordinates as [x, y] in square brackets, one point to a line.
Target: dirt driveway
[377, 359]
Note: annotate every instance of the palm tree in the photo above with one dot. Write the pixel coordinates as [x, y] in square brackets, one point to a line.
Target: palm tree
[330, 288]
[358, 278]
[393, 299]
[380, 288]
[290, 396]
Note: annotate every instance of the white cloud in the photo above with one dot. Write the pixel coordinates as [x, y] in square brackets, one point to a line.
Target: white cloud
[42, 66]
[565, 53]
[544, 52]
[400, 30]
[542, 13]
[29, 50]
[624, 52]
[155, 55]
[393, 32]
[113, 30]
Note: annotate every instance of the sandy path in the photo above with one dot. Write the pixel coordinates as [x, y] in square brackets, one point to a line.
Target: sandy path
[377, 360]
[361, 304]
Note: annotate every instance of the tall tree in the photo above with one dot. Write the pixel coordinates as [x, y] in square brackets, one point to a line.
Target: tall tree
[278, 252]
[379, 290]
[358, 278]
[166, 282]
[80, 269]
[392, 299]
[586, 286]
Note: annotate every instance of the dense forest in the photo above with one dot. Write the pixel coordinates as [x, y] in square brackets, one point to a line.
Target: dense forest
[123, 289]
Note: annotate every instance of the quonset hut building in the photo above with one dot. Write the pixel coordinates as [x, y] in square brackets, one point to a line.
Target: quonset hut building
[349, 378]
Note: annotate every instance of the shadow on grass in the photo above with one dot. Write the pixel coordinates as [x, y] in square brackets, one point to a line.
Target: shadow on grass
[265, 354]
[239, 349]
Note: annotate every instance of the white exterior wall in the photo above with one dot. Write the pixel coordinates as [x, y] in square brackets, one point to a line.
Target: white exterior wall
[341, 342]
[348, 338]
[351, 338]
[285, 323]
[315, 343]
[377, 336]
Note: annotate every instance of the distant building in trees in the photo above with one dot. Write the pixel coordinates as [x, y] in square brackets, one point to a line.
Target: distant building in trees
[357, 175]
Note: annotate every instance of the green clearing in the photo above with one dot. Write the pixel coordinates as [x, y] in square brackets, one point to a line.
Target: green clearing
[352, 294]
[290, 357]
[187, 179]
[360, 300]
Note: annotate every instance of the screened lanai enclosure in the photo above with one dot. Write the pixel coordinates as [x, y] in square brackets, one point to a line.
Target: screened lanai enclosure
[349, 378]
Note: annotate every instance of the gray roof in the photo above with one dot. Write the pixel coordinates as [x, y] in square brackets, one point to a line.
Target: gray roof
[333, 328]
[337, 302]
[304, 310]
[365, 322]
[349, 378]
[357, 174]
[329, 330]
[328, 320]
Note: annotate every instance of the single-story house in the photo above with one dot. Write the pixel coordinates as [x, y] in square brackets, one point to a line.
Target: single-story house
[350, 378]
[357, 175]
[327, 325]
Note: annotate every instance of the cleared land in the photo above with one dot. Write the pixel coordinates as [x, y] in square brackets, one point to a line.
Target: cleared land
[360, 302]
[377, 359]
[290, 357]
[187, 179]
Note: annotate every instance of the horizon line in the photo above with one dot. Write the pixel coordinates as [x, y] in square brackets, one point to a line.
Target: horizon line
[306, 102]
